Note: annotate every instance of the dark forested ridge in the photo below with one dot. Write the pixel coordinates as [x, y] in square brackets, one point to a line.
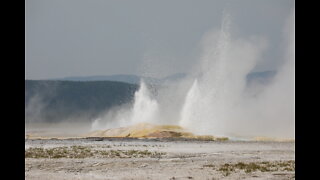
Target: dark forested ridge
[263, 76]
[55, 101]
[127, 78]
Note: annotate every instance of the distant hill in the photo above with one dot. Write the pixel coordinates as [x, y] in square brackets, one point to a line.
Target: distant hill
[127, 78]
[261, 77]
[134, 79]
[54, 101]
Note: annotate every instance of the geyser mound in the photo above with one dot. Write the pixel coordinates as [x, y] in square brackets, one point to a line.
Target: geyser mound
[147, 130]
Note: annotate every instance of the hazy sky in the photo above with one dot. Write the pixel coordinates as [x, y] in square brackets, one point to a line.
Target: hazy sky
[143, 37]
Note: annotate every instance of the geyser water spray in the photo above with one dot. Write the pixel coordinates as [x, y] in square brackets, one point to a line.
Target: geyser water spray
[145, 108]
[215, 98]
[215, 94]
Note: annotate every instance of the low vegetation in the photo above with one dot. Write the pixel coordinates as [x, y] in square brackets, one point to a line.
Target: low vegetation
[87, 152]
[264, 166]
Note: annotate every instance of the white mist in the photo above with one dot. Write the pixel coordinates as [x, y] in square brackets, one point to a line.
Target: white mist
[145, 108]
[211, 101]
[215, 99]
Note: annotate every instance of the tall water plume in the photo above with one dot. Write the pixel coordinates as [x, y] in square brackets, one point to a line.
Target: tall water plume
[221, 79]
[144, 109]
[221, 103]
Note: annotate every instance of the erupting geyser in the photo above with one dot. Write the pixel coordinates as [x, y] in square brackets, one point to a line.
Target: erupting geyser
[187, 116]
[215, 98]
[145, 108]
[220, 103]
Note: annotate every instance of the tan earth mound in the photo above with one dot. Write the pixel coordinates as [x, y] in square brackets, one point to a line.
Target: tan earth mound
[146, 130]
[261, 138]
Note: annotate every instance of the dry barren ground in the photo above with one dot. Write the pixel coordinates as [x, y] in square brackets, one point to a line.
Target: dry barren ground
[152, 159]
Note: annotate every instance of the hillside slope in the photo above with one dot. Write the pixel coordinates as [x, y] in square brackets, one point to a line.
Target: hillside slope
[55, 101]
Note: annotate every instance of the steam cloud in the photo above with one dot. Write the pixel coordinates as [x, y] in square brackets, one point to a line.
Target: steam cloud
[216, 99]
